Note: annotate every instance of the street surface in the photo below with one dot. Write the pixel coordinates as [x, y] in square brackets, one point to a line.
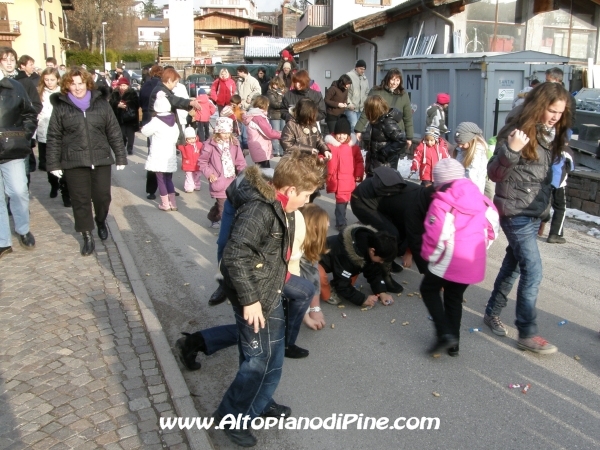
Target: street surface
[371, 366]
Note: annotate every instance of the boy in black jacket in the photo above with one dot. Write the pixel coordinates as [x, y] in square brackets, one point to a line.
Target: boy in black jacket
[357, 249]
[254, 267]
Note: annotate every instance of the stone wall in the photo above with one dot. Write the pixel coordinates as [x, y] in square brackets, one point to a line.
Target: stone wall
[583, 192]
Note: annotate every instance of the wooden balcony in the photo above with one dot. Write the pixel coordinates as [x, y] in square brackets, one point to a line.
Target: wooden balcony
[316, 19]
[10, 29]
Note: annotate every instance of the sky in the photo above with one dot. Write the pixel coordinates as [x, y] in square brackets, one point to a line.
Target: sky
[262, 5]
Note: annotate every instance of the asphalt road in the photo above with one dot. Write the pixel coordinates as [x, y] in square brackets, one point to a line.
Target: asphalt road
[371, 366]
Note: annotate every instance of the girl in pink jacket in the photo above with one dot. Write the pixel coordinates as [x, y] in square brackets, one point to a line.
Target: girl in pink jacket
[202, 116]
[345, 168]
[220, 161]
[260, 132]
[430, 150]
[460, 225]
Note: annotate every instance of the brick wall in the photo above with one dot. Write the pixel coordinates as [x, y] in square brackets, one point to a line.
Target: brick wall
[583, 192]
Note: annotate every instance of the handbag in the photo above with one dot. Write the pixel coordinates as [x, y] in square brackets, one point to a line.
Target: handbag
[14, 144]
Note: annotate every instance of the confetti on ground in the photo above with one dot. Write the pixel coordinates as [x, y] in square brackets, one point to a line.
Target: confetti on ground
[393, 320]
[147, 242]
[341, 306]
[577, 358]
[435, 394]
[410, 295]
[405, 323]
[186, 284]
[526, 388]
[333, 325]
[147, 274]
[399, 295]
[344, 315]
[405, 282]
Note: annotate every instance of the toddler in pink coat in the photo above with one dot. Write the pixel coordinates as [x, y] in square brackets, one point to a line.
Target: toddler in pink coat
[460, 225]
[220, 161]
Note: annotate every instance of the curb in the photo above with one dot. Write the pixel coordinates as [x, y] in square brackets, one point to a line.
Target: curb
[180, 394]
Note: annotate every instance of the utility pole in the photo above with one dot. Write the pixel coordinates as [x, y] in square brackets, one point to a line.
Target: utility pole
[103, 47]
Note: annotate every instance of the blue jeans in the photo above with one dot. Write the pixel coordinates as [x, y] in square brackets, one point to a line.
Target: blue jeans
[261, 361]
[277, 125]
[13, 183]
[353, 117]
[299, 292]
[522, 258]
[225, 229]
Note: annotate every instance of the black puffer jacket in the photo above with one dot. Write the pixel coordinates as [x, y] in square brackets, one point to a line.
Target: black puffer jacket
[77, 139]
[384, 141]
[30, 84]
[176, 102]
[292, 97]
[17, 115]
[348, 256]
[130, 115]
[254, 264]
[523, 188]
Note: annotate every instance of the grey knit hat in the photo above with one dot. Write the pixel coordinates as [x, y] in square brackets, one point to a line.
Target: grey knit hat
[447, 170]
[466, 132]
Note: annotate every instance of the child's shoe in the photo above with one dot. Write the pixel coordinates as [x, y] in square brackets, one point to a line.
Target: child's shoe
[197, 188]
[453, 351]
[334, 299]
[215, 224]
[188, 192]
[172, 202]
[164, 206]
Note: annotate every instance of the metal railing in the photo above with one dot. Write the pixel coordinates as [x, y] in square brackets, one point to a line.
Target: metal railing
[10, 26]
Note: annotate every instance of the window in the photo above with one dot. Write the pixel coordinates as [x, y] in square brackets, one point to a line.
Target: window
[53, 52]
[42, 17]
[570, 31]
[495, 25]
[60, 24]
[45, 51]
[51, 21]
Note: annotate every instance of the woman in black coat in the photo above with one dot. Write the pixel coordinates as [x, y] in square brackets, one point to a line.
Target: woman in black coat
[301, 89]
[263, 80]
[82, 136]
[126, 105]
[336, 100]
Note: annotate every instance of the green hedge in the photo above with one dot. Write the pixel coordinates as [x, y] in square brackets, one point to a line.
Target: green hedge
[95, 59]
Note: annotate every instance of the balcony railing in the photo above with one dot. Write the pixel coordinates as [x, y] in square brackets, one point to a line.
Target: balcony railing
[315, 16]
[10, 27]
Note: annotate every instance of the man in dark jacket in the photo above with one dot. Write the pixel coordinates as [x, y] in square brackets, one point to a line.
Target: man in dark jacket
[99, 81]
[29, 79]
[357, 249]
[18, 121]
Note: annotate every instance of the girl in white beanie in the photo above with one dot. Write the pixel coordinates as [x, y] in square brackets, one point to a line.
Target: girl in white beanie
[162, 157]
[471, 152]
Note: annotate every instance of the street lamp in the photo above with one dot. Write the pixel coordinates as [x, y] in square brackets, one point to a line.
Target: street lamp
[103, 47]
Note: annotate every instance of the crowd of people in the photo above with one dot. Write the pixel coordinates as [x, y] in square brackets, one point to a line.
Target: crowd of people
[276, 261]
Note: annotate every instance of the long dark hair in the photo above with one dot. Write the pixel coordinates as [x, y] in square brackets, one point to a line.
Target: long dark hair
[343, 81]
[392, 73]
[536, 103]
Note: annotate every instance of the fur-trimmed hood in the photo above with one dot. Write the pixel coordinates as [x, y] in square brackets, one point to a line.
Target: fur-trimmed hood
[348, 238]
[255, 185]
[330, 139]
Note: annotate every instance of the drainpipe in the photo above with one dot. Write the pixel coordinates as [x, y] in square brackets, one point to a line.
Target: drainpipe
[358, 36]
[445, 19]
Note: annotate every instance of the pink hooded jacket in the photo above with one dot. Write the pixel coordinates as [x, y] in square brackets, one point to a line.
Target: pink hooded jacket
[260, 134]
[208, 108]
[210, 163]
[460, 225]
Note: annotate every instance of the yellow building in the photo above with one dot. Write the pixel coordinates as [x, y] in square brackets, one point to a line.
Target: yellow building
[36, 28]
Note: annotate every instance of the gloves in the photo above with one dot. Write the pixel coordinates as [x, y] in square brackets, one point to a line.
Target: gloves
[57, 173]
[120, 167]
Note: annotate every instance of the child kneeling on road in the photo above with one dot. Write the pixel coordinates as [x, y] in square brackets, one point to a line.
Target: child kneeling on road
[460, 225]
[357, 249]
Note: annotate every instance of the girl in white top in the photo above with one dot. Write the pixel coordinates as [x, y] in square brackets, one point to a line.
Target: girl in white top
[49, 84]
[471, 152]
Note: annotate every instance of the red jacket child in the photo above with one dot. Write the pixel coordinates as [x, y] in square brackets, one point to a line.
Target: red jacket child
[345, 168]
[190, 154]
[427, 156]
[207, 108]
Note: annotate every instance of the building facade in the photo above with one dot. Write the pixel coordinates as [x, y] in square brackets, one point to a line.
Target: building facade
[36, 28]
[240, 8]
[181, 12]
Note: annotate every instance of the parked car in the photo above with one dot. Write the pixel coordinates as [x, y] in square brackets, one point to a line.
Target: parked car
[197, 81]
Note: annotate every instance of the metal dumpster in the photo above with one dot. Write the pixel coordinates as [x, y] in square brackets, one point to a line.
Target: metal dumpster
[474, 82]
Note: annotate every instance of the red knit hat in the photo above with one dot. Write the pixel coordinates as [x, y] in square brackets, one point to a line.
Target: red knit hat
[443, 99]
[286, 55]
[122, 80]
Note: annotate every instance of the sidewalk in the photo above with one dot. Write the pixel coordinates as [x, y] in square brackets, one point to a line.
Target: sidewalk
[77, 368]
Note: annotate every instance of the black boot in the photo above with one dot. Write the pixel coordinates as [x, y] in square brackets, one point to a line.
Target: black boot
[66, 201]
[396, 268]
[188, 348]
[102, 230]
[88, 243]
[218, 296]
[391, 285]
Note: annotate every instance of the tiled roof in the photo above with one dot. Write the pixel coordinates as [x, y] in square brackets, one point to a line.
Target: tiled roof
[265, 47]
